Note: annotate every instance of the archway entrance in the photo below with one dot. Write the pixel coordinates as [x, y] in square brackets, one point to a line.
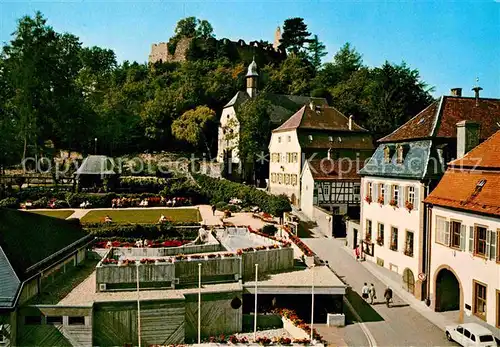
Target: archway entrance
[409, 281]
[447, 291]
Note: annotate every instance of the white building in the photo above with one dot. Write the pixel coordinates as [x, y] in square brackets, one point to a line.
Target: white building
[464, 222]
[280, 109]
[313, 133]
[406, 166]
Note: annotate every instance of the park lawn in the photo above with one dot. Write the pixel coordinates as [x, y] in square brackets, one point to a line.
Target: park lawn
[144, 216]
[56, 213]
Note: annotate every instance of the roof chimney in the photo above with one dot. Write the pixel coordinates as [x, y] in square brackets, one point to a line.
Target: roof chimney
[456, 91]
[351, 117]
[476, 90]
[467, 137]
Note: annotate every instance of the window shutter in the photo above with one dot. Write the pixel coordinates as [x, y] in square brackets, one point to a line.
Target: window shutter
[471, 239]
[387, 189]
[488, 243]
[417, 201]
[463, 235]
[375, 192]
[401, 202]
[493, 245]
[447, 234]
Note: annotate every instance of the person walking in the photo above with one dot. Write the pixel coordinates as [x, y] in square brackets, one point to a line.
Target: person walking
[373, 293]
[365, 292]
[213, 209]
[357, 251]
[388, 296]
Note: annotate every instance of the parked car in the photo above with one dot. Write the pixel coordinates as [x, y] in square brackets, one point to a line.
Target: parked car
[470, 335]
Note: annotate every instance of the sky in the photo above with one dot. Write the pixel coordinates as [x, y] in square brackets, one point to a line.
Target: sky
[451, 43]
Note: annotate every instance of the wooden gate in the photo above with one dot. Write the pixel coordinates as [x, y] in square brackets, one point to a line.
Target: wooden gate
[408, 281]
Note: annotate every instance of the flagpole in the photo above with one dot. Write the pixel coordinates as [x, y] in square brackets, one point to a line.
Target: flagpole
[199, 303]
[138, 307]
[255, 308]
[312, 303]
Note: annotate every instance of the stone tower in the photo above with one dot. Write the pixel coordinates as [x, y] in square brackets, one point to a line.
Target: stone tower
[277, 38]
[252, 77]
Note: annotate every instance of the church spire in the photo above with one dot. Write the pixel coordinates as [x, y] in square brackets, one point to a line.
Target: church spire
[252, 77]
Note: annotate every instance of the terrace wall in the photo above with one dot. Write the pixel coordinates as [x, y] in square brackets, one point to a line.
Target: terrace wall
[212, 270]
[148, 252]
[269, 260]
[163, 274]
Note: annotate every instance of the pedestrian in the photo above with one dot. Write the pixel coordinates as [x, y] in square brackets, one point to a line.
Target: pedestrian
[388, 296]
[365, 291]
[373, 293]
[213, 209]
[357, 251]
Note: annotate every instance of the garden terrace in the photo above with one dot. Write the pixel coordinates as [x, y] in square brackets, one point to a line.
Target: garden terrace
[148, 215]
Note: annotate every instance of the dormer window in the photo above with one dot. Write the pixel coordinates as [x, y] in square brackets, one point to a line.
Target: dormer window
[387, 154]
[400, 154]
[310, 137]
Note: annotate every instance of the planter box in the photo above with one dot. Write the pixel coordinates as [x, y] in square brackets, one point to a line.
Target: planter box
[297, 333]
[335, 319]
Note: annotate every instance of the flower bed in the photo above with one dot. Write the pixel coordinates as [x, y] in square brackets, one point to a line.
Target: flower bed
[298, 322]
[298, 242]
[151, 244]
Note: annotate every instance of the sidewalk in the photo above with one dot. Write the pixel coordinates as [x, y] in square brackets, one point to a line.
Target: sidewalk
[393, 280]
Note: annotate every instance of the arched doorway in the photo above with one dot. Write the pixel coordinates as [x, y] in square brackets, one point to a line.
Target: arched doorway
[408, 281]
[447, 291]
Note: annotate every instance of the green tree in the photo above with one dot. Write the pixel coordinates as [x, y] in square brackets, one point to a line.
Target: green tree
[254, 132]
[295, 35]
[293, 76]
[317, 50]
[186, 27]
[204, 29]
[194, 125]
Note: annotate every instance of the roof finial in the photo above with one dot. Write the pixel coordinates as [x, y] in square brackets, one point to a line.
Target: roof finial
[476, 90]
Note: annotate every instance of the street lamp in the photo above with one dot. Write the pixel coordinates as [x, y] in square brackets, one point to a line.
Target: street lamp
[138, 306]
[255, 307]
[312, 302]
[95, 145]
[199, 303]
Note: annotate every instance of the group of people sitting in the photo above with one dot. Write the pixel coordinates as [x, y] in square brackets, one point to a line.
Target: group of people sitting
[85, 204]
[147, 202]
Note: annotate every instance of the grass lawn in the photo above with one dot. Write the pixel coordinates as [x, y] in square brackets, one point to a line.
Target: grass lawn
[144, 215]
[56, 213]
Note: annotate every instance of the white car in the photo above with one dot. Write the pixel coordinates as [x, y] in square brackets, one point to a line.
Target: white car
[470, 335]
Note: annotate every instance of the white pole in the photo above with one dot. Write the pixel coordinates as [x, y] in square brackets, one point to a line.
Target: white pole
[255, 308]
[138, 307]
[312, 303]
[199, 303]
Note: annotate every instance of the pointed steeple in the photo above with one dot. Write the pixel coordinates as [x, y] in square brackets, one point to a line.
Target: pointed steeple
[252, 77]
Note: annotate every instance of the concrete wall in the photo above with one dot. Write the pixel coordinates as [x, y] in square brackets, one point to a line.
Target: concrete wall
[282, 143]
[390, 216]
[212, 270]
[307, 192]
[217, 315]
[324, 219]
[147, 252]
[162, 323]
[464, 264]
[351, 226]
[148, 273]
[228, 120]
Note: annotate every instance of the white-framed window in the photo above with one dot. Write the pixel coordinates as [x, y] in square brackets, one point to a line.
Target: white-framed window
[289, 138]
[280, 178]
[295, 157]
[442, 231]
[381, 196]
[279, 139]
[395, 195]
[368, 233]
[287, 179]
[294, 179]
[326, 191]
[356, 189]
[369, 189]
[411, 195]
[273, 178]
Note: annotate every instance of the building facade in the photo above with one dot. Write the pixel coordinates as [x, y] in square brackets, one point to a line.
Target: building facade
[406, 166]
[313, 133]
[464, 236]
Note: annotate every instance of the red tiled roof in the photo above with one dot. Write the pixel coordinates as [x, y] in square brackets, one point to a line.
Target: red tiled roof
[331, 170]
[435, 121]
[486, 155]
[324, 118]
[459, 189]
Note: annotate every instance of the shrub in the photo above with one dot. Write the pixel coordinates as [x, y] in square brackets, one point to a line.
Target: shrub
[36, 193]
[150, 184]
[143, 231]
[269, 229]
[232, 208]
[41, 203]
[96, 200]
[219, 190]
[61, 204]
[9, 203]
[221, 205]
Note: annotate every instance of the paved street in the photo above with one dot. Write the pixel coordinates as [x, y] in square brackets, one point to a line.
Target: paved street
[400, 325]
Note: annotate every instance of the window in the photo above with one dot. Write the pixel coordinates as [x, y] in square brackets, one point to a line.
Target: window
[473, 337]
[368, 235]
[280, 178]
[460, 330]
[54, 320]
[273, 178]
[467, 333]
[295, 157]
[387, 154]
[486, 338]
[326, 191]
[33, 320]
[442, 231]
[394, 239]
[480, 300]
[287, 178]
[409, 243]
[411, 195]
[381, 196]
[380, 234]
[456, 228]
[279, 139]
[289, 138]
[400, 152]
[395, 195]
[480, 241]
[369, 190]
[294, 179]
[77, 320]
[356, 189]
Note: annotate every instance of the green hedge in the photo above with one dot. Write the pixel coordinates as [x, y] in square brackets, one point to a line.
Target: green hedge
[148, 231]
[151, 184]
[218, 190]
[37, 193]
[9, 203]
